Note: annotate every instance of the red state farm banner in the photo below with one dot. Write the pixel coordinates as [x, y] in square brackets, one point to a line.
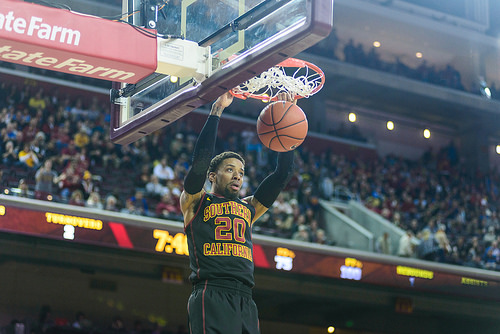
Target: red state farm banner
[75, 43]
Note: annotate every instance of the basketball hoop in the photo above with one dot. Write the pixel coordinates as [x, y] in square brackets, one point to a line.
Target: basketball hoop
[306, 80]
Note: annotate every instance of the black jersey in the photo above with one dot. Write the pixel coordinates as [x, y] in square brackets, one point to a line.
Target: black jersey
[220, 240]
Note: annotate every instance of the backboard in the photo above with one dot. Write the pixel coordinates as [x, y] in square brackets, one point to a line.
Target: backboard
[243, 38]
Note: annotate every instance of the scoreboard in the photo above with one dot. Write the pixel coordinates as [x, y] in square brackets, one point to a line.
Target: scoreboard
[71, 224]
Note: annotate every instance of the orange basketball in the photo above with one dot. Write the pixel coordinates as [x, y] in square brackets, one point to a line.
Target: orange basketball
[282, 126]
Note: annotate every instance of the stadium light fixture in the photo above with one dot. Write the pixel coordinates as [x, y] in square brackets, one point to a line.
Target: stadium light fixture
[352, 117]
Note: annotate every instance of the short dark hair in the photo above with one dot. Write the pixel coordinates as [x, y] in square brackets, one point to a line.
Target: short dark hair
[217, 160]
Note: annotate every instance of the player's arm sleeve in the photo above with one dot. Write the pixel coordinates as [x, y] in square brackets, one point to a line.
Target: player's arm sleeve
[203, 152]
[269, 189]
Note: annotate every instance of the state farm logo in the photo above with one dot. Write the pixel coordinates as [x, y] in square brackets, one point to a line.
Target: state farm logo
[70, 42]
[35, 26]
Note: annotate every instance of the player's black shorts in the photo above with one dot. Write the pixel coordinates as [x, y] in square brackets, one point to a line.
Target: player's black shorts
[223, 307]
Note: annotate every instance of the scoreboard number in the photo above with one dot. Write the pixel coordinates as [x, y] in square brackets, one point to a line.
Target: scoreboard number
[169, 243]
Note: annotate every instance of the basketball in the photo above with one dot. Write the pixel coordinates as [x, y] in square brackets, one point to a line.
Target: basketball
[282, 126]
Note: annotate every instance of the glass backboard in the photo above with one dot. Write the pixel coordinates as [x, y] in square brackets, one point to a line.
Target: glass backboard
[244, 38]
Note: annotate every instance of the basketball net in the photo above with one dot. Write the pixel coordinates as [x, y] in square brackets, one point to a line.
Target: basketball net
[306, 80]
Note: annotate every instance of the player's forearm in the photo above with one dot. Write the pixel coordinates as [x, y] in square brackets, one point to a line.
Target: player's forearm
[269, 189]
[203, 152]
[216, 110]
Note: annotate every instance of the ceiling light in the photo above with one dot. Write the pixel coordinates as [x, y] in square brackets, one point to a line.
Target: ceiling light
[352, 117]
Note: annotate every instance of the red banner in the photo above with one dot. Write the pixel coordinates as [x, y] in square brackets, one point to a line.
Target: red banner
[74, 43]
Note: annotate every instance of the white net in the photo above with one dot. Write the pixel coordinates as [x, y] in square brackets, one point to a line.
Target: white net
[304, 82]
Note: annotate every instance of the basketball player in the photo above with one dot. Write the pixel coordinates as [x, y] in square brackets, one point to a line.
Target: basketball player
[218, 226]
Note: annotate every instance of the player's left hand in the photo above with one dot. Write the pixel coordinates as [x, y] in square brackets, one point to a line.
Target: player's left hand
[286, 96]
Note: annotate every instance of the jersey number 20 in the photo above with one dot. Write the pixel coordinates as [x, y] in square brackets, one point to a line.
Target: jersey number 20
[226, 229]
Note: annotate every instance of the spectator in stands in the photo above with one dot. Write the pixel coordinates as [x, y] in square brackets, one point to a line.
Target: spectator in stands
[70, 180]
[94, 149]
[77, 111]
[37, 101]
[142, 178]
[428, 247]
[302, 234]
[443, 242]
[489, 236]
[81, 138]
[30, 131]
[111, 156]
[88, 185]
[137, 204]
[68, 153]
[10, 154]
[111, 203]
[23, 189]
[167, 208]
[28, 158]
[50, 127]
[163, 171]
[154, 188]
[46, 178]
[491, 257]
[77, 198]
[94, 201]
[383, 244]
[176, 146]
[321, 238]
[38, 145]
[181, 167]
[316, 233]
[406, 248]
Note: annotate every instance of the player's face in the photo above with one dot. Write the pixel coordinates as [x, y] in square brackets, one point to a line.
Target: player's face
[228, 179]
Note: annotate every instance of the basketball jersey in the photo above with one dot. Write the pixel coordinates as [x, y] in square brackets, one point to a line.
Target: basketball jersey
[220, 240]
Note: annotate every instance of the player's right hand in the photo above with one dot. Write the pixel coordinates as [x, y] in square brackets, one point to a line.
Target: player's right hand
[224, 100]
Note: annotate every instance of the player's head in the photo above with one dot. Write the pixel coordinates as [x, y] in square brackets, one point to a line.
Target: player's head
[226, 173]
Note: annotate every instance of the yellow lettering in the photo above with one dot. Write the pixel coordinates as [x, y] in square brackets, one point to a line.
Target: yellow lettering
[474, 282]
[227, 249]
[87, 223]
[206, 249]
[206, 214]
[162, 239]
[414, 272]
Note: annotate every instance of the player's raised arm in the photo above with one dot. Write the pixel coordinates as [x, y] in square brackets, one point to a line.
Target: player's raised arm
[269, 189]
[203, 152]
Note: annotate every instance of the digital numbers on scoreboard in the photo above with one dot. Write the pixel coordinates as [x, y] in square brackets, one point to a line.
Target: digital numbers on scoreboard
[171, 243]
